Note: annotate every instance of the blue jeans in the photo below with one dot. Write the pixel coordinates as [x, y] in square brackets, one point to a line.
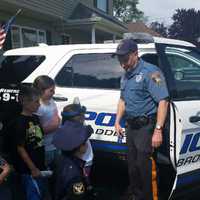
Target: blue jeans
[35, 188]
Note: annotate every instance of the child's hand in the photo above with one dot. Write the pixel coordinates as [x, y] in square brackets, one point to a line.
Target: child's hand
[6, 169]
[35, 172]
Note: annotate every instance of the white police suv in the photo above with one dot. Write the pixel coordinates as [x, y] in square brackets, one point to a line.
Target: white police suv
[89, 72]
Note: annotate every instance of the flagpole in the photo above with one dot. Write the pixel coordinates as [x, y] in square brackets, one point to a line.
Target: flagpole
[19, 10]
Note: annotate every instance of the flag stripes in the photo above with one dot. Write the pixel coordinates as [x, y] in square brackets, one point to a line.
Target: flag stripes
[2, 37]
[6, 27]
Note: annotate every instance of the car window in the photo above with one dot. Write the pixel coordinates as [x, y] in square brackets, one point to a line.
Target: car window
[151, 58]
[185, 67]
[181, 66]
[91, 71]
[14, 69]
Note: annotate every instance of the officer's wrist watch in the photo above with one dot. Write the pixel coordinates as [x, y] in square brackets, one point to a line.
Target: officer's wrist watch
[158, 127]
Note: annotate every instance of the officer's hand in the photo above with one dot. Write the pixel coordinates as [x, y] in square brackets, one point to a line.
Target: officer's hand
[118, 129]
[157, 138]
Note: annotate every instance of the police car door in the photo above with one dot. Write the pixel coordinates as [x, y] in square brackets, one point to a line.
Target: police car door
[181, 66]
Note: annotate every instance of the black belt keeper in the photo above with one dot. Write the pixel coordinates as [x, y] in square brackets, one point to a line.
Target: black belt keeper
[140, 121]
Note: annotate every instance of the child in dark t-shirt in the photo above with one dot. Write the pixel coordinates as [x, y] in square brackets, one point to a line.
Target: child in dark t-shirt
[27, 145]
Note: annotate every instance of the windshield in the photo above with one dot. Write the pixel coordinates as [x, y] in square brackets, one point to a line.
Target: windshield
[14, 69]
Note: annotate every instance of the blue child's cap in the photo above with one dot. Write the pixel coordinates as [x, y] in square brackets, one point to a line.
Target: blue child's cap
[126, 46]
[71, 135]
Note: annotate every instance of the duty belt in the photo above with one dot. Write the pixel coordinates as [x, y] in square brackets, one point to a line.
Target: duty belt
[140, 121]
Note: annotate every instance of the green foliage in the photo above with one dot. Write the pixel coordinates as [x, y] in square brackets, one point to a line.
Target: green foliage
[126, 10]
[186, 25]
[159, 28]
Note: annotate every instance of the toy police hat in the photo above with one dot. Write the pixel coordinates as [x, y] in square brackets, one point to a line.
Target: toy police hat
[71, 135]
[126, 46]
[73, 110]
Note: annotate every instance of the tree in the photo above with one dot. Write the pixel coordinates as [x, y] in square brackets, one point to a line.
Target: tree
[186, 25]
[126, 10]
[159, 28]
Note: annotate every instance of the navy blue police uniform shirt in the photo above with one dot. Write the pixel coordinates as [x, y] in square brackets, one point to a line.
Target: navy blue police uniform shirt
[142, 88]
[70, 183]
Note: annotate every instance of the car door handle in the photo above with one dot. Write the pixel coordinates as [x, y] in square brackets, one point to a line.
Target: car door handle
[59, 98]
[194, 119]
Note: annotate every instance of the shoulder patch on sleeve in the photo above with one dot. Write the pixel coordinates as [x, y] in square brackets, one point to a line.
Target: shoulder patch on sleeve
[78, 188]
[156, 77]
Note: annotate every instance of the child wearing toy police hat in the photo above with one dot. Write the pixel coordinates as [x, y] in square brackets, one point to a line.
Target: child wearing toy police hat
[72, 139]
[80, 116]
[76, 113]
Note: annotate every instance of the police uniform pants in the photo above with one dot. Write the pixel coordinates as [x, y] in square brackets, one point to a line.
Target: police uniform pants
[142, 169]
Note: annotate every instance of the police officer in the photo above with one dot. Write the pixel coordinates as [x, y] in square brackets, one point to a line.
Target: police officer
[144, 103]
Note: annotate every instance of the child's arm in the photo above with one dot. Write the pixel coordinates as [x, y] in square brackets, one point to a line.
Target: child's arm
[52, 125]
[35, 172]
[5, 171]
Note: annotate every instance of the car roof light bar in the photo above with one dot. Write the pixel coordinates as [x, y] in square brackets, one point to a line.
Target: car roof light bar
[139, 37]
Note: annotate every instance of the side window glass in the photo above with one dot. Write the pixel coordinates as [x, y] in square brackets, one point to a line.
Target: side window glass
[151, 58]
[185, 67]
[181, 66]
[14, 69]
[91, 71]
[65, 76]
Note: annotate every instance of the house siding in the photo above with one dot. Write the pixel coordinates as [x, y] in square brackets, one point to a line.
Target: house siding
[59, 9]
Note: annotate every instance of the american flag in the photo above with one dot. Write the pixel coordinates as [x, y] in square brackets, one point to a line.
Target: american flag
[5, 28]
[2, 37]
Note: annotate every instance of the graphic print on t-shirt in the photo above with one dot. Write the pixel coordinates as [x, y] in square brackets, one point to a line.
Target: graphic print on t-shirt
[34, 135]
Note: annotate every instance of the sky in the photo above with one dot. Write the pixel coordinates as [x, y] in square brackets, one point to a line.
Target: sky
[163, 10]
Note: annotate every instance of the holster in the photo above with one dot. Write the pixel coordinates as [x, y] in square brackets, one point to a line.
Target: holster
[139, 122]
